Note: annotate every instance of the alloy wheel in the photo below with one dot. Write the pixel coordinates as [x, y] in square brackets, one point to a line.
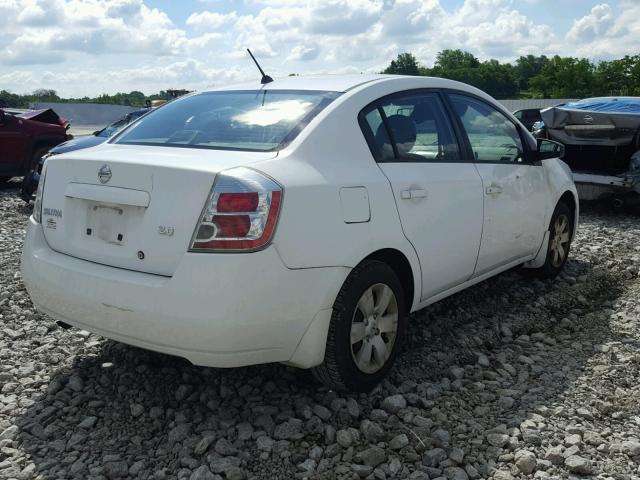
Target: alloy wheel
[374, 328]
[560, 240]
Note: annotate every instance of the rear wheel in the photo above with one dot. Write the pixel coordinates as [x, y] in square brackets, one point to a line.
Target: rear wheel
[560, 234]
[366, 329]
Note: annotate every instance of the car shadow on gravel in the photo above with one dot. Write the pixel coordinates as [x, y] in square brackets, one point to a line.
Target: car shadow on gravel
[11, 185]
[118, 403]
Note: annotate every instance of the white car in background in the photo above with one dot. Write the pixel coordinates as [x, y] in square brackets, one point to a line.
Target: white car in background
[296, 222]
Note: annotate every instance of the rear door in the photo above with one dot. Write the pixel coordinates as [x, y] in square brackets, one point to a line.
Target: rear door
[438, 196]
[514, 187]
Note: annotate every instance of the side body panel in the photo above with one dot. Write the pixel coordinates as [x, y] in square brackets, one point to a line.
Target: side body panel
[332, 154]
[445, 226]
[514, 212]
[13, 144]
[19, 140]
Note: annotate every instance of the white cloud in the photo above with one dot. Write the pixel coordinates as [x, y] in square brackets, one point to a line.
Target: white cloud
[91, 46]
[606, 32]
[44, 31]
[590, 26]
[39, 13]
[304, 53]
[211, 20]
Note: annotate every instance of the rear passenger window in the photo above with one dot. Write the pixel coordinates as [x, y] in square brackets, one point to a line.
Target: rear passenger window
[493, 137]
[412, 128]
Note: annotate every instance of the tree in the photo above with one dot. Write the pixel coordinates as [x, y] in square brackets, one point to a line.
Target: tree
[404, 64]
[449, 60]
[619, 77]
[46, 95]
[565, 77]
[497, 79]
[8, 99]
[528, 67]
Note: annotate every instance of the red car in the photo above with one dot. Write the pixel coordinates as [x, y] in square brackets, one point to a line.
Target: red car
[25, 137]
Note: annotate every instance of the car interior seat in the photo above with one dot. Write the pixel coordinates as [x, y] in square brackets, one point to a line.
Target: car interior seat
[404, 132]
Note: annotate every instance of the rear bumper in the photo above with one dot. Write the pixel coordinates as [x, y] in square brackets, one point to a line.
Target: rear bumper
[219, 310]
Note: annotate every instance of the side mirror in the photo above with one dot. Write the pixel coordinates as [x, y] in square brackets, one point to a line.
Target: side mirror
[549, 149]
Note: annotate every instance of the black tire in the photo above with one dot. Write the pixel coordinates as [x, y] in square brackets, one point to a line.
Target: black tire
[339, 370]
[29, 186]
[553, 265]
[38, 153]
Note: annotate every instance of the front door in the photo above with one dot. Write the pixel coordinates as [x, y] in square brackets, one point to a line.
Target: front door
[438, 196]
[513, 186]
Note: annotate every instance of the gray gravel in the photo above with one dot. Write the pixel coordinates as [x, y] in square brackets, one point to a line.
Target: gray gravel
[514, 378]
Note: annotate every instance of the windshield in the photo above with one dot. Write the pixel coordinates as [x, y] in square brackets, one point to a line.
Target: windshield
[254, 120]
[115, 127]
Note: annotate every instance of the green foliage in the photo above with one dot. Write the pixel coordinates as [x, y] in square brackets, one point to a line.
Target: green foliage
[619, 77]
[8, 99]
[565, 77]
[405, 64]
[448, 60]
[530, 76]
[133, 99]
[528, 67]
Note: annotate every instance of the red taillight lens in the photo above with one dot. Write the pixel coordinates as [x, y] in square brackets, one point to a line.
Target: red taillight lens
[232, 226]
[238, 202]
[240, 214]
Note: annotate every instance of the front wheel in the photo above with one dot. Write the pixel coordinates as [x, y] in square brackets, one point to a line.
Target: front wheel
[366, 329]
[560, 234]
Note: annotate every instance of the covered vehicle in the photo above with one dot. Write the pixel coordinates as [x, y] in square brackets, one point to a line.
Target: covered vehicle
[30, 181]
[26, 136]
[602, 145]
[528, 116]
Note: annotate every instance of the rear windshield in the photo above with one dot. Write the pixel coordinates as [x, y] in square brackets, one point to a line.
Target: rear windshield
[254, 120]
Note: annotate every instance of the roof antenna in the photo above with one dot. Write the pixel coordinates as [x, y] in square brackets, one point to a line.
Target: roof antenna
[265, 78]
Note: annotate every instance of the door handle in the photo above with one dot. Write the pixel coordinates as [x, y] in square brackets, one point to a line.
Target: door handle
[413, 193]
[494, 190]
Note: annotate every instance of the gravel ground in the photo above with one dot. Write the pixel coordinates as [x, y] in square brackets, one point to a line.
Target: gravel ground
[514, 378]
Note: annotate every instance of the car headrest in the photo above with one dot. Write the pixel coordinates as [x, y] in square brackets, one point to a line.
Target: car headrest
[404, 132]
[423, 112]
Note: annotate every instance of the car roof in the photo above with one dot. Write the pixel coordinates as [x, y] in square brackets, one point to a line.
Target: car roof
[332, 83]
[345, 83]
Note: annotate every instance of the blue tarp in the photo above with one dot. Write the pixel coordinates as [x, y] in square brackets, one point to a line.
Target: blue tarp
[607, 104]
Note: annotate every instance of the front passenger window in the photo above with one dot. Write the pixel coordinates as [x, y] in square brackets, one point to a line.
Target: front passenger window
[493, 137]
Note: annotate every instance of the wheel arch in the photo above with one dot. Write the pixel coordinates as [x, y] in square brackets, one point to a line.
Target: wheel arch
[47, 142]
[571, 200]
[401, 266]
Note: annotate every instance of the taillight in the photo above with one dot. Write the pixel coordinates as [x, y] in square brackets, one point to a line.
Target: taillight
[37, 204]
[240, 214]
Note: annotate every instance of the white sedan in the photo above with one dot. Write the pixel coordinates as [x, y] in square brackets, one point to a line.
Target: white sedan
[296, 222]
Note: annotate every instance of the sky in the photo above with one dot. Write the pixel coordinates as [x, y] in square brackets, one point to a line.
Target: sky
[89, 47]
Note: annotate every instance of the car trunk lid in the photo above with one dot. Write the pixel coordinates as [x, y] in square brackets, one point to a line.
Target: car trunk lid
[132, 207]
